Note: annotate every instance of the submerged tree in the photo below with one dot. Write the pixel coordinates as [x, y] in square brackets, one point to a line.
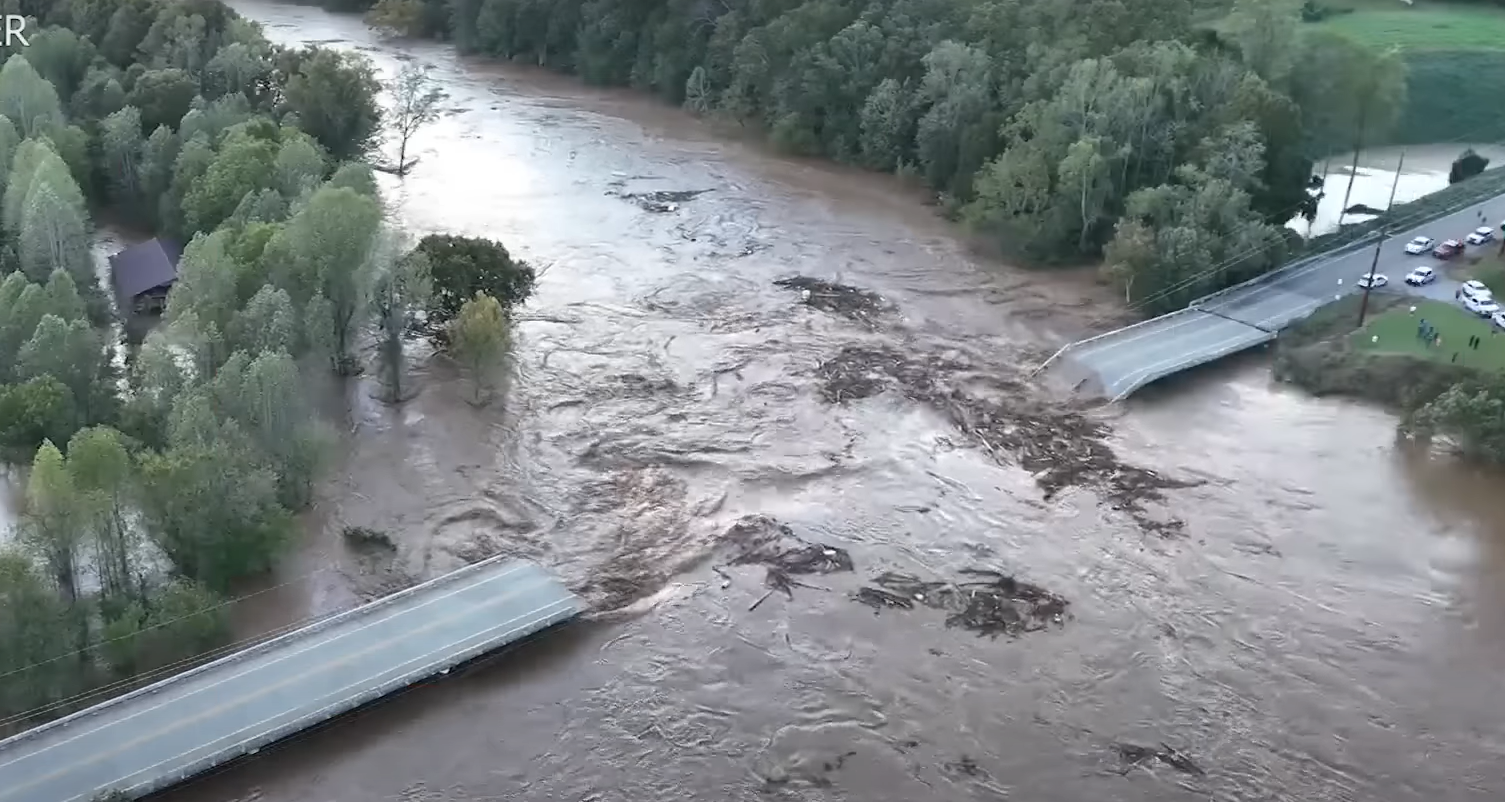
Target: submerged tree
[415, 103]
[401, 287]
[478, 338]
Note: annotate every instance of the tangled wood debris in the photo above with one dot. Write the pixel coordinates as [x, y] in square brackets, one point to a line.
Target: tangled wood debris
[1059, 444]
[989, 603]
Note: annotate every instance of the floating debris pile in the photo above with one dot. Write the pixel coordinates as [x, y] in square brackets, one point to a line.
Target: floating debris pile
[1060, 445]
[1134, 755]
[661, 201]
[761, 540]
[842, 300]
[991, 603]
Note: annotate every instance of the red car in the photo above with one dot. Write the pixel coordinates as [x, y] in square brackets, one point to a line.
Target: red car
[1448, 250]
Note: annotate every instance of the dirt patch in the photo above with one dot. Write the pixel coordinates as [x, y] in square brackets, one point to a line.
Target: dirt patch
[761, 540]
[854, 304]
[987, 602]
[1056, 442]
[1135, 755]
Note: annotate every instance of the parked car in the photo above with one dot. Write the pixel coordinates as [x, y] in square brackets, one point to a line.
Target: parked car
[1481, 305]
[1420, 276]
[1448, 249]
[1471, 289]
[1480, 235]
[1498, 319]
[1373, 282]
[1419, 246]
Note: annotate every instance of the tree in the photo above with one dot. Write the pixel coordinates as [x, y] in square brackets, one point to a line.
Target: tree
[73, 353]
[264, 397]
[464, 266]
[326, 247]
[400, 17]
[402, 286]
[334, 95]
[121, 147]
[478, 338]
[33, 412]
[208, 281]
[37, 164]
[1349, 94]
[243, 165]
[210, 506]
[54, 235]
[1471, 415]
[181, 620]
[163, 96]
[102, 474]
[299, 166]
[27, 98]
[1467, 165]
[415, 103]
[56, 518]
[268, 324]
[35, 629]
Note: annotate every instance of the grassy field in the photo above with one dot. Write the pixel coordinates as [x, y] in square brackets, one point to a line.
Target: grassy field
[1421, 27]
[1394, 332]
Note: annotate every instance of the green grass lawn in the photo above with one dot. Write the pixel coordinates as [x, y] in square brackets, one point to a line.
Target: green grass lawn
[1396, 333]
[1423, 26]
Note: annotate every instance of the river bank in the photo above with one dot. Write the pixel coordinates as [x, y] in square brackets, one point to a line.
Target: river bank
[1331, 602]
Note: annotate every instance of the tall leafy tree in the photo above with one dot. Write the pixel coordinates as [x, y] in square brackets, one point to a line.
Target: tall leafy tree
[334, 95]
[479, 337]
[26, 98]
[56, 519]
[401, 287]
[327, 246]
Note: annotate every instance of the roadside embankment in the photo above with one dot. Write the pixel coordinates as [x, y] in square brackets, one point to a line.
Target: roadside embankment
[1325, 355]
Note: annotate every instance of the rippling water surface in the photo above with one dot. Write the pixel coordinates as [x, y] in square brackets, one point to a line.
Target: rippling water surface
[1329, 627]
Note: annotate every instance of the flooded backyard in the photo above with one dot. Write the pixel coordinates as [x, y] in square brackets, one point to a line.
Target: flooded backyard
[774, 421]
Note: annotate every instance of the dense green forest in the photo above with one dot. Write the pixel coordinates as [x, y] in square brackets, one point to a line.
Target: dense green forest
[1065, 130]
[159, 483]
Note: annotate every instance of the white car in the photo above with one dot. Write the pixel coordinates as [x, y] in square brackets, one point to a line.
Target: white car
[1372, 282]
[1420, 276]
[1481, 305]
[1472, 289]
[1420, 245]
[1498, 319]
[1480, 235]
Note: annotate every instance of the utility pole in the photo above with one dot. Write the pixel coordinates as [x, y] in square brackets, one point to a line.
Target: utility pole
[1369, 284]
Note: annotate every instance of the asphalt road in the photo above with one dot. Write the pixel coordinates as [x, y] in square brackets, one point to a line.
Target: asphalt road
[150, 740]
[1127, 359]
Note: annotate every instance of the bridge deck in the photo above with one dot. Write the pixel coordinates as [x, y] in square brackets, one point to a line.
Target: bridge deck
[159, 735]
[1243, 317]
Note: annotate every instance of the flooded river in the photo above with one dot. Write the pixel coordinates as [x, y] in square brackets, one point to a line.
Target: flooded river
[1319, 614]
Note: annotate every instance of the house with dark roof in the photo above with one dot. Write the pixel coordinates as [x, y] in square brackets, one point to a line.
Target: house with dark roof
[143, 273]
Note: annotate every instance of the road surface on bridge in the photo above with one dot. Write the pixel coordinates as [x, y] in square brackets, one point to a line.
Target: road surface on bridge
[162, 734]
[1234, 320]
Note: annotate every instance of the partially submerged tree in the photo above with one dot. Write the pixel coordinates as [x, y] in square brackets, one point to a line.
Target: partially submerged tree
[464, 266]
[401, 287]
[415, 103]
[478, 338]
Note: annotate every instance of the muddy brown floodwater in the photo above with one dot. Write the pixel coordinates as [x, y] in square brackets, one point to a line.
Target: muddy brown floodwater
[843, 549]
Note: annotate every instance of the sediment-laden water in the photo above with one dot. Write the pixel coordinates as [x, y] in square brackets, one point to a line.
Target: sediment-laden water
[1224, 590]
